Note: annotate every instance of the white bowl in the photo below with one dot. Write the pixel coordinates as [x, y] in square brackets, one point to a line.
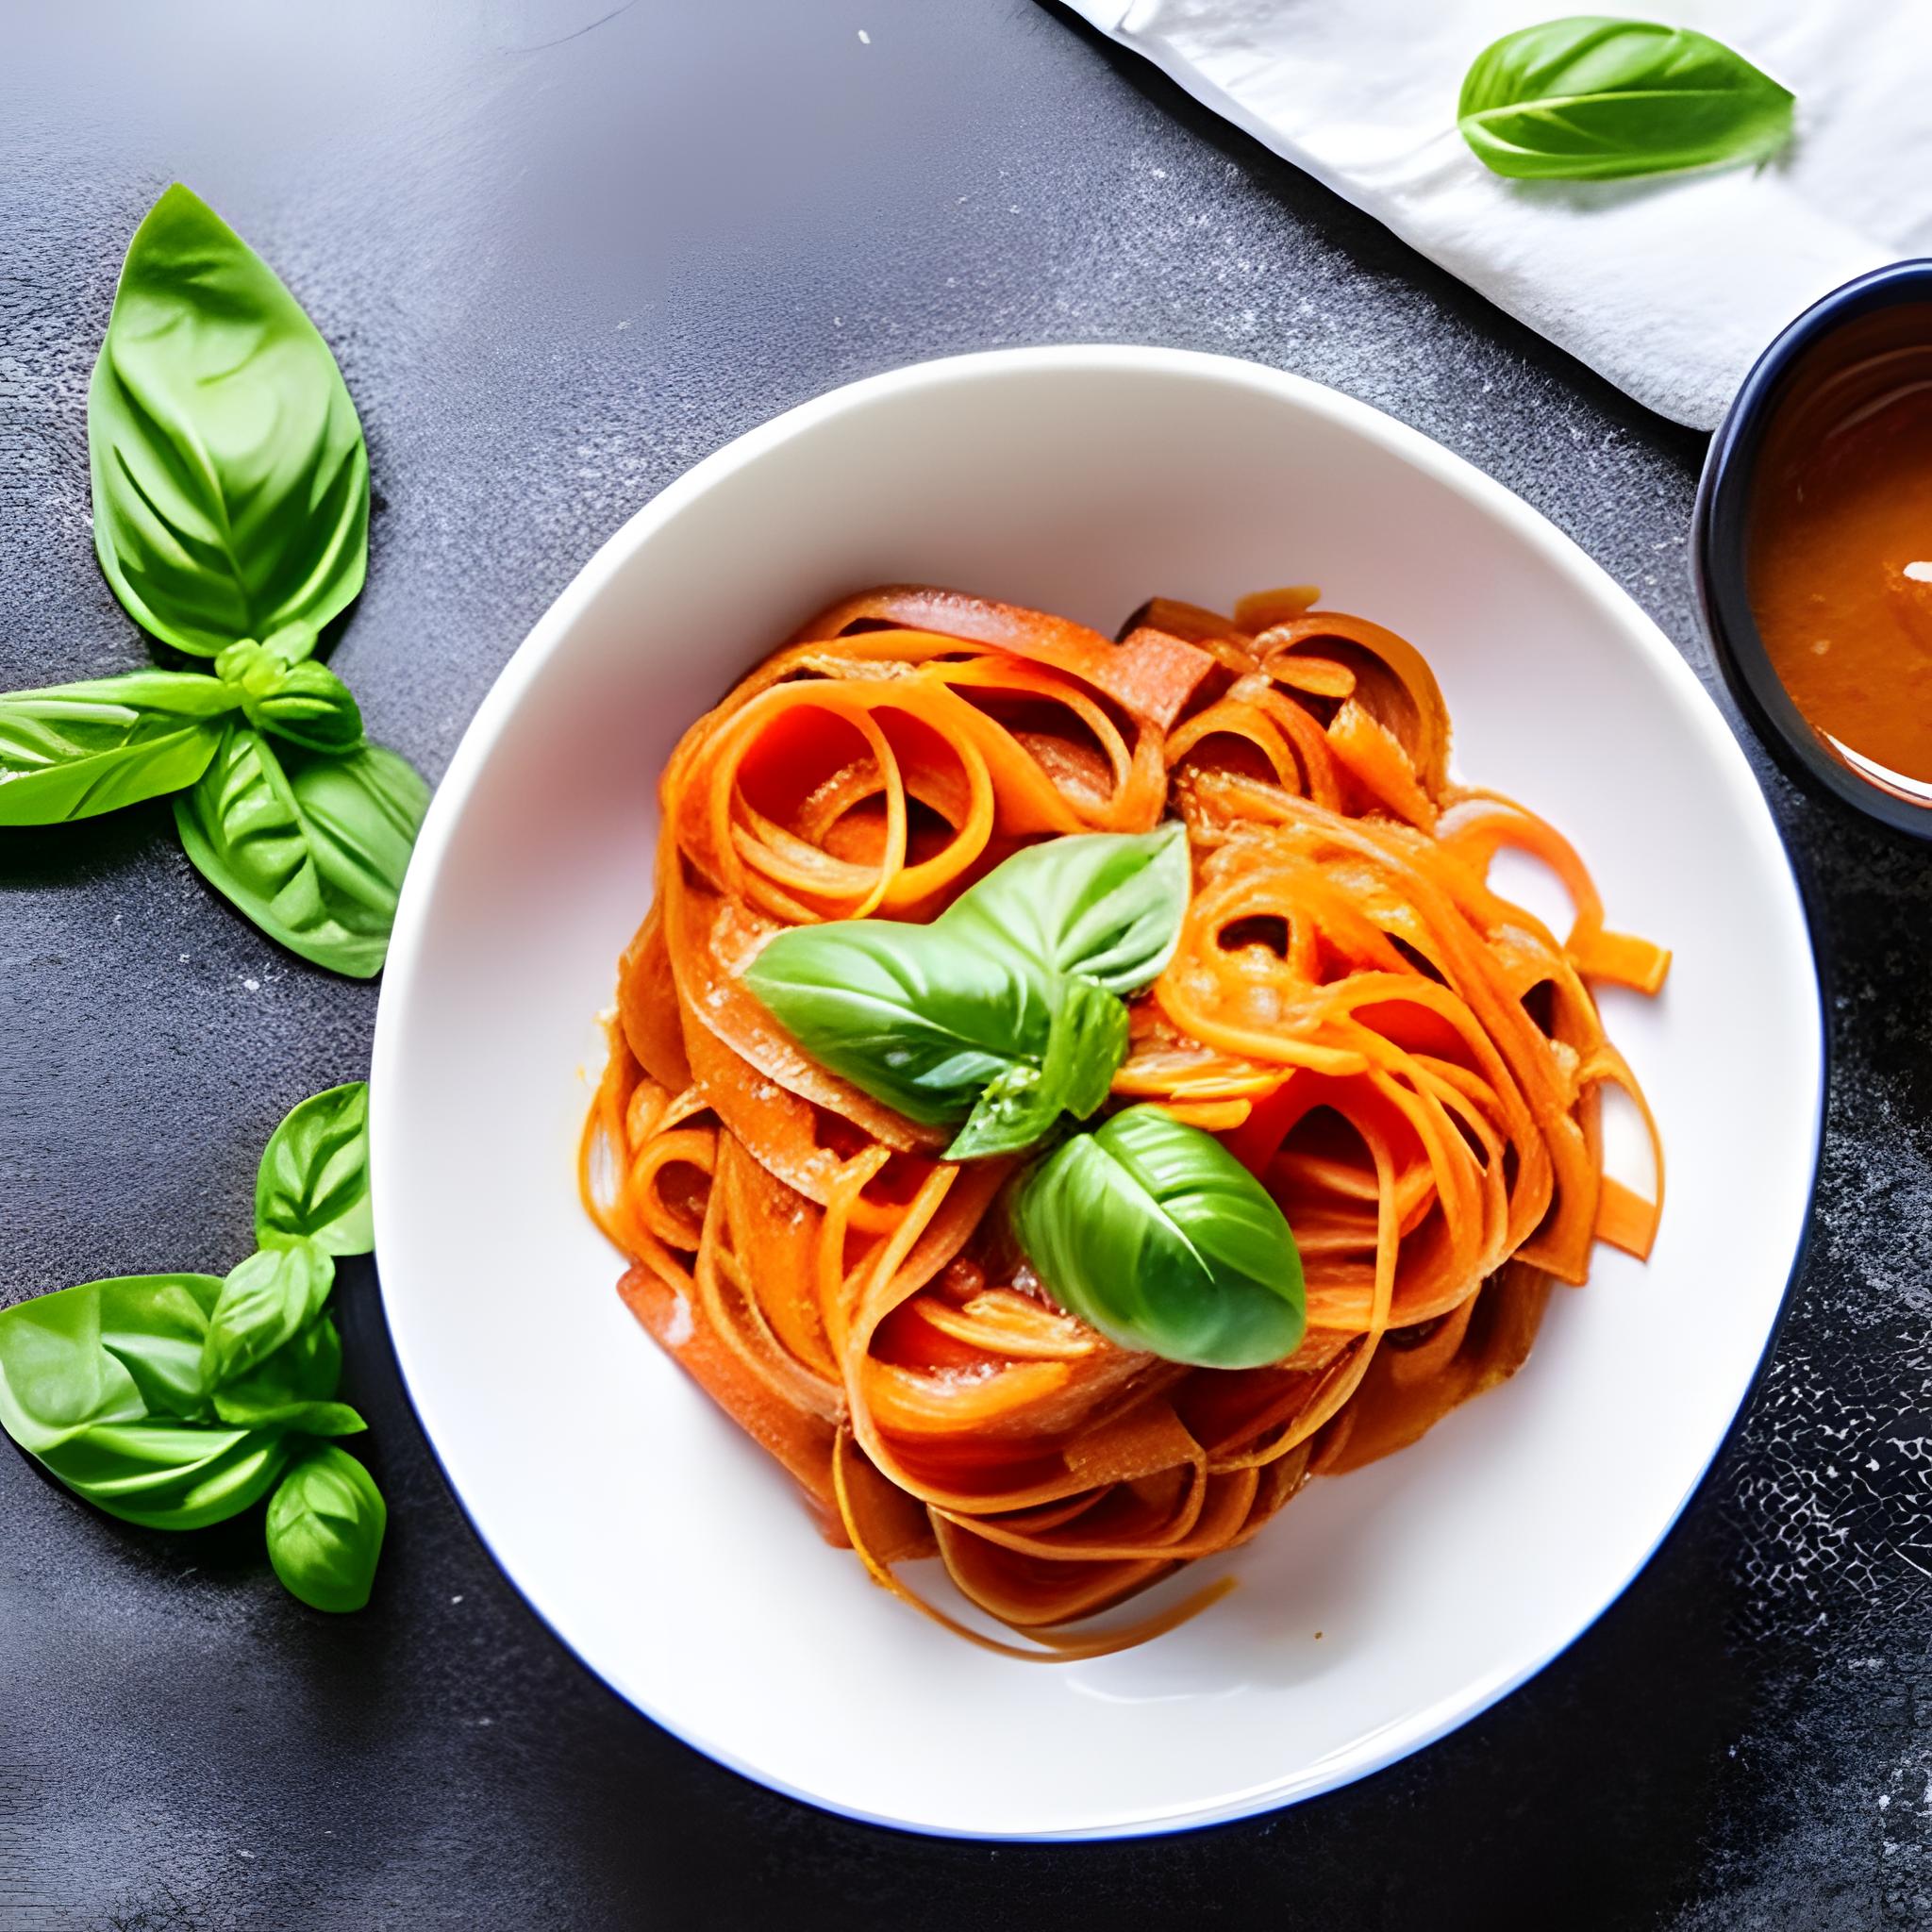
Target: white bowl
[654, 1539]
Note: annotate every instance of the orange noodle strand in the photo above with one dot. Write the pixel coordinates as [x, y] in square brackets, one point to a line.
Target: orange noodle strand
[1412, 1065]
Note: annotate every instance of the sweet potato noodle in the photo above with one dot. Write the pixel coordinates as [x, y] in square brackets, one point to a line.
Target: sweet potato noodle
[1409, 1063]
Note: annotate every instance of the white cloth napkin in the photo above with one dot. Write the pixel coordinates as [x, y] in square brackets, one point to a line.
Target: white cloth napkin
[1672, 286]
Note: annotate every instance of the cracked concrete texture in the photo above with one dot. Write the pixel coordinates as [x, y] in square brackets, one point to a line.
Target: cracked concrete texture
[561, 253]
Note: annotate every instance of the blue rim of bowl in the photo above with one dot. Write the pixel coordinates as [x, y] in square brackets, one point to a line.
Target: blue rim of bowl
[1720, 532]
[1233, 1810]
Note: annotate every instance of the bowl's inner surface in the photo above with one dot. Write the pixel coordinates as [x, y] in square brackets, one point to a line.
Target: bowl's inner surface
[1838, 544]
[1381, 1608]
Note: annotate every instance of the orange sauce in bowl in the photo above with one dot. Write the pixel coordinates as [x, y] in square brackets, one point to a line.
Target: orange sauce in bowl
[1839, 557]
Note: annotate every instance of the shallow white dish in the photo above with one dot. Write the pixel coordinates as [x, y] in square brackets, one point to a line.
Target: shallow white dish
[653, 1538]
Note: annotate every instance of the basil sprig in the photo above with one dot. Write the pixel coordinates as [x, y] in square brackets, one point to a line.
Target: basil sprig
[174, 1401]
[1596, 99]
[231, 518]
[1005, 1011]
[1153, 1232]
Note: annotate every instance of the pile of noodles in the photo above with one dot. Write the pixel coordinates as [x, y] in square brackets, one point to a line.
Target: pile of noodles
[1410, 1064]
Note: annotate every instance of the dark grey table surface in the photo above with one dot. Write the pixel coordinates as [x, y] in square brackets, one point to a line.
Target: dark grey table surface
[562, 252]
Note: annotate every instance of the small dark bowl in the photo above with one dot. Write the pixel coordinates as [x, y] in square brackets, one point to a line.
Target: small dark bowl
[1720, 531]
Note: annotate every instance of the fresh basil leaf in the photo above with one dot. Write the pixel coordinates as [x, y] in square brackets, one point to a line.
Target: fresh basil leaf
[168, 1475]
[263, 1304]
[313, 1180]
[119, 1350]
[1155, 1234]
[155, 1326]
[326, 1525]
[916, 1018]
[294, 1418]
[1595, 99]
[73, 750]
[230, 480]
[303, 701]
[313, 851]
[1086, 1041]
[1106, 905]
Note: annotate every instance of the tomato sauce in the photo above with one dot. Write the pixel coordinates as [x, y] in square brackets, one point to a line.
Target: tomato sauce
[1839, 554]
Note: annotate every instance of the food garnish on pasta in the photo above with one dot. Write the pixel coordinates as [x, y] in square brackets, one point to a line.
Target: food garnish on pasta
[1067, 1092]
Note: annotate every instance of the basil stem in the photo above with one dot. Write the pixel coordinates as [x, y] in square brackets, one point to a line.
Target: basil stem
[304, 702]
[1085, 1044]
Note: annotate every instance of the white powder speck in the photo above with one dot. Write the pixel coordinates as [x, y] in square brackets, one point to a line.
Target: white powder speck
[680, 1328]
[864, 38]
[1919, 573]
[456, 1599]
[252, 984]
[184, 958]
